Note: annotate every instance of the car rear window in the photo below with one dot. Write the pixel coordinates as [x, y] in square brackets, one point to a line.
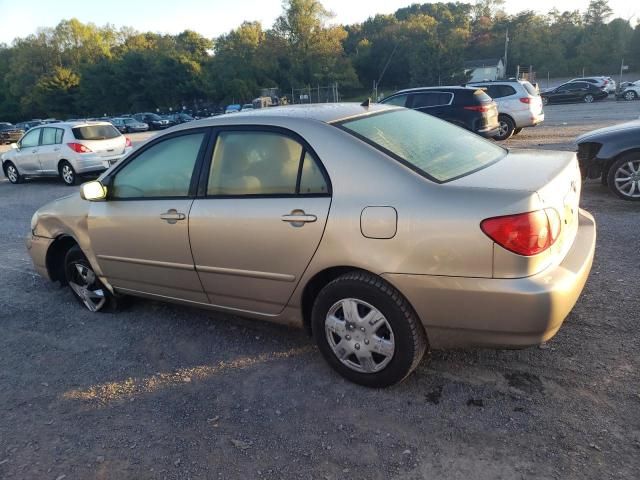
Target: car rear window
[432, 147]
[95, 132]
[531, 90]
[481, 96]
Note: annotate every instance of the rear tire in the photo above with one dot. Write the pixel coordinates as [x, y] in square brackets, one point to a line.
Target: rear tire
[624, 177]
[507, 127]
[517, 131]
[12, 173]
[68, 174]
[588, 98]
[545, 100]
[367, 331]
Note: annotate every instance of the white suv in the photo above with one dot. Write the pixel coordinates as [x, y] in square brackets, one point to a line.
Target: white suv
[630, 91]
[607, 84]
[519, 105]
[66, 149]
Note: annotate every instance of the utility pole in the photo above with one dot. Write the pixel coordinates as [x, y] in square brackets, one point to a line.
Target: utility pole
[506, 51]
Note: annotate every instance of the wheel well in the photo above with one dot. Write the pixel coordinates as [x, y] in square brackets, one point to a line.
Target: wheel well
[56, 255]
[508, 116]
[313, 287]
[60, 162]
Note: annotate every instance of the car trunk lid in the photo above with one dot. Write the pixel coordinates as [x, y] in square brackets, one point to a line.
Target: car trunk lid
[550, 179]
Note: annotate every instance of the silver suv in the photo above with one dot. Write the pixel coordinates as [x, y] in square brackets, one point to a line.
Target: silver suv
[519, 105]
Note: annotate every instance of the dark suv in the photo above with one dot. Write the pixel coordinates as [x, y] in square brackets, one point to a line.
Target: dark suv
[155, 122]
[470, 108]
[573, 92]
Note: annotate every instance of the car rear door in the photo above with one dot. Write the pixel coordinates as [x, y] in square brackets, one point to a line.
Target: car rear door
[140, 234]
[264, 205]
[49, 151]
[434, 103]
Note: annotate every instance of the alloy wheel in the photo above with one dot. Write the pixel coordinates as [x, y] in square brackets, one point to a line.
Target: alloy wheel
[588, 98]
[627, 179]
[12, 173]
[67, 174]
[359, 335]
[631, 95]
[503, 129]
[84, 283]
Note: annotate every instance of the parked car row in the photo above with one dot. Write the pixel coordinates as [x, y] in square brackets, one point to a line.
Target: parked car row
[495, 109]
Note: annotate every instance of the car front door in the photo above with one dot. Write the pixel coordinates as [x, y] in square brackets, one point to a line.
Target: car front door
[140, 234]
[26, 156]
[265, 205]
[49, 151]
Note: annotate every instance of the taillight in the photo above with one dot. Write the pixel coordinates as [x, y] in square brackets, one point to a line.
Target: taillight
[526, 234]
[127, 142]
[79, 148]
[525, 99]
[478, 108]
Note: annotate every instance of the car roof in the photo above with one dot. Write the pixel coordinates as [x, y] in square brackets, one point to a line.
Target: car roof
[444, 88]
[324, 112]
[74, 123]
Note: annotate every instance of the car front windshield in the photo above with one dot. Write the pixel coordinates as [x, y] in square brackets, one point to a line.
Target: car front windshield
[433, 147]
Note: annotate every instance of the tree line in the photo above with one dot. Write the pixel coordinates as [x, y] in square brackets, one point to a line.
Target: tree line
[82, 69]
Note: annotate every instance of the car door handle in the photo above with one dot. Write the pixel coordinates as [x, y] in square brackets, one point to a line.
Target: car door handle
[297, 218]
[172, 216]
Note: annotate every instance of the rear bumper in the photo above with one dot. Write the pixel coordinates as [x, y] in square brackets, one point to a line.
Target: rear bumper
[37, 248]
[460, 311]
[90, 164]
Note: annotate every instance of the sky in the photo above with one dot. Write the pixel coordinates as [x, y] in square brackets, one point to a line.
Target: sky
[214, 17]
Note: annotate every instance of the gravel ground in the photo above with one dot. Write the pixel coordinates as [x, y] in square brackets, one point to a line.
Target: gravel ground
[161, 391]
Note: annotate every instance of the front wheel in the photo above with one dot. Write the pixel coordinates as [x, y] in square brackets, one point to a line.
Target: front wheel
[588, 98]
[367, 330]
[506, 128]
[11, 171]
[624, 177]
[68, 174]
[84, 283]
[545, 100]
[630, 95]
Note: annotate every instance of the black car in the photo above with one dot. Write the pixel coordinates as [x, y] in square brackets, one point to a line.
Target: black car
[155, 122]
[178, 118]
[470, 108]
[10, 133]
[128, 125]
[613, 155]
[573, 92]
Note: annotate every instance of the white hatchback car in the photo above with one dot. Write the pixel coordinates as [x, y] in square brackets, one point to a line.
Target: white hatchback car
[519, 105]
[67, 150]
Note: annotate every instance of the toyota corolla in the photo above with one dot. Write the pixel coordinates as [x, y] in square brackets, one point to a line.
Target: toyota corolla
[382, 231]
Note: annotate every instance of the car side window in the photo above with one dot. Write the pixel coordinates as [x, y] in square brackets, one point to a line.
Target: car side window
[430, 99]
[398, 100]
[262, 163]
[59, 135]
[160, 171]
[31, 139]
[311, 179]
[48, 136]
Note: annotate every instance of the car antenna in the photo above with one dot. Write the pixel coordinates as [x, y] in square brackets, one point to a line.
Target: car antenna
[366, 103]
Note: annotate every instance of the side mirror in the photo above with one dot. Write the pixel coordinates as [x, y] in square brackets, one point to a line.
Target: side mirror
[93, 191]
[15, 146]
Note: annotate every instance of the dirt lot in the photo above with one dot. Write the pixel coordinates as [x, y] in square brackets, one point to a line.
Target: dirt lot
[162, 391]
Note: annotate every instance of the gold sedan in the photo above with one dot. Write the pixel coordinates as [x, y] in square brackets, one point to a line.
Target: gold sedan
[380, 230]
